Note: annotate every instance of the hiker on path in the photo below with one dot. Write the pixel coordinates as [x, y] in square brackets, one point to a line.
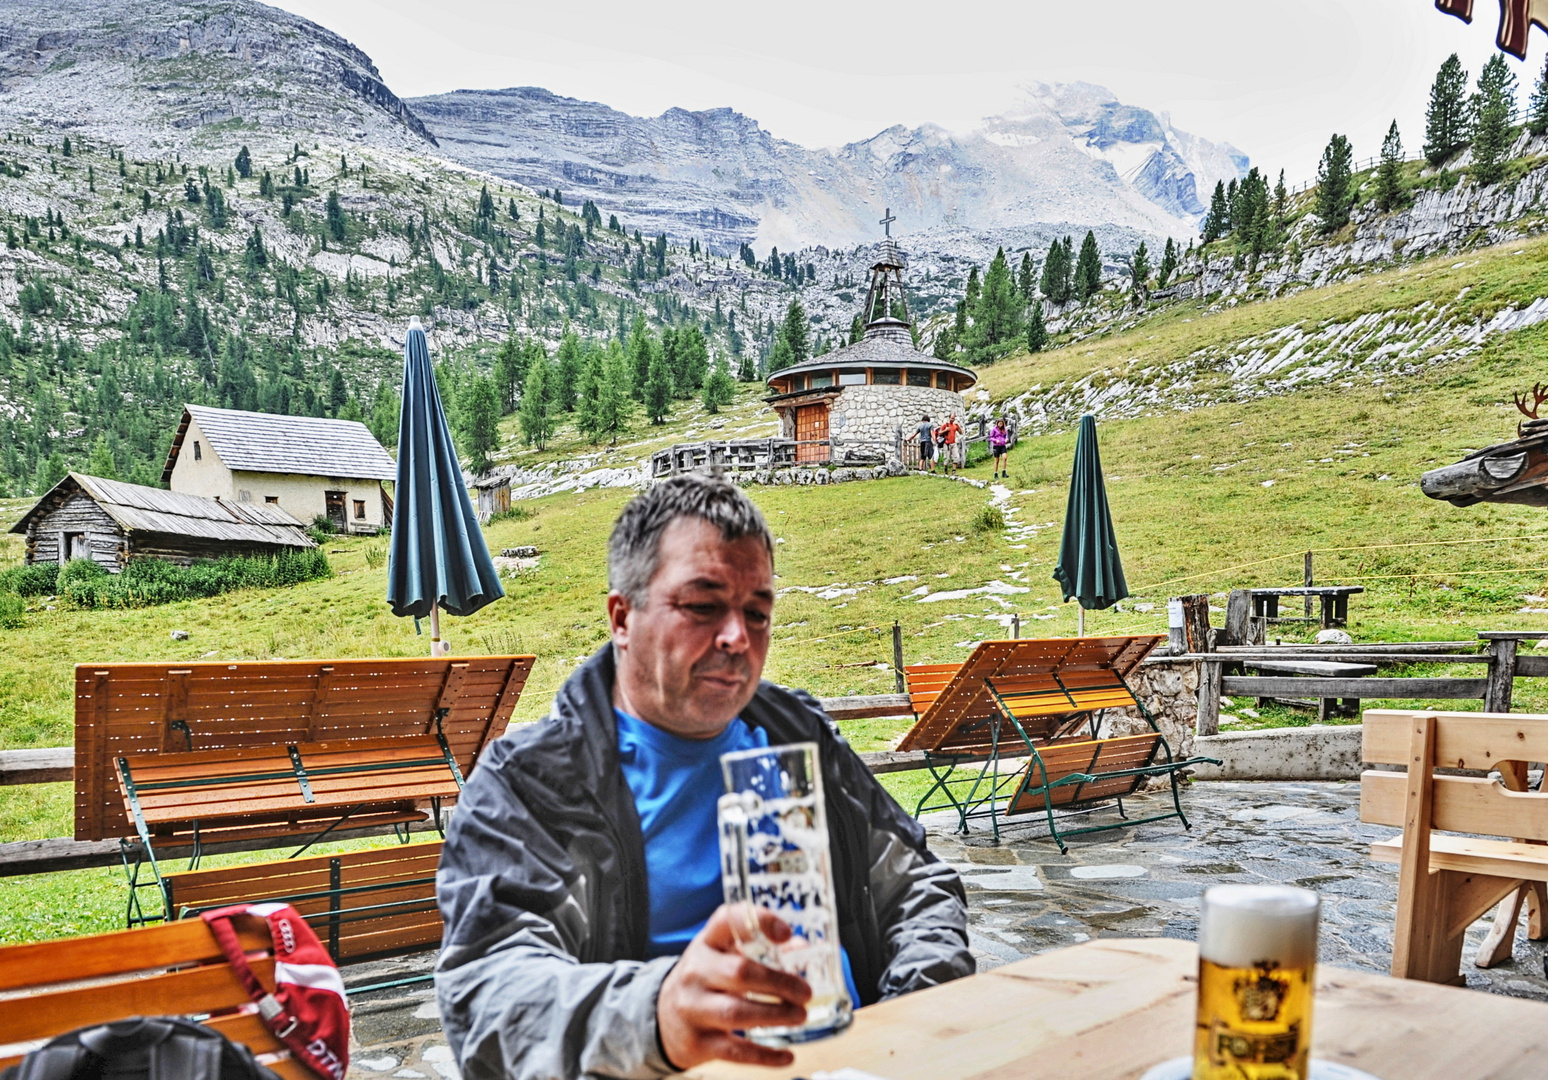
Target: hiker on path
[926, 444]
[999, 446]
[580, 879]
[948, 433]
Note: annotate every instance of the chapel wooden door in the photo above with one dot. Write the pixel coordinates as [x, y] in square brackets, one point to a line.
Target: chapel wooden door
[811, 432]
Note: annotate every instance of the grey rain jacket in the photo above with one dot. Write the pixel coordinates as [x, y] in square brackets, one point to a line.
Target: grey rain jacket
[542, 886]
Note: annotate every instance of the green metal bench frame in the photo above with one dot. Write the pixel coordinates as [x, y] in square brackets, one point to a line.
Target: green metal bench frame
[987, 786]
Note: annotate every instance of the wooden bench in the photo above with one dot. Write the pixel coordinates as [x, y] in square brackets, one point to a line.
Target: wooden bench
[361, 904]
[51, 987]
[1005, 727]
[270, 752]
[1325, 669]
[1334, 601]
[1446, 883]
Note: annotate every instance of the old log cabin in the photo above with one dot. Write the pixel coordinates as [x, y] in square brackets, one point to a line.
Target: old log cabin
[87, 517]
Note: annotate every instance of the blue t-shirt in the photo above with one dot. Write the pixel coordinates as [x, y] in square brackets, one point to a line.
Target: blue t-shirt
[676, 784]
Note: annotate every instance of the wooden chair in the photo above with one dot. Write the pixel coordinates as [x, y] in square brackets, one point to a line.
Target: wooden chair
[51, 987]
[361, 904]
[1447, 882]
[1015, 709]
[276, 752]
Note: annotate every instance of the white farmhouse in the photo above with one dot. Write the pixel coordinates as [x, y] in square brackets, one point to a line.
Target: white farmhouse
[308, 467]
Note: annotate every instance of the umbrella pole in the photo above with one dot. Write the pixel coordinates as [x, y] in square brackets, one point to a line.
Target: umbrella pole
[1080, 621]
[435, 629]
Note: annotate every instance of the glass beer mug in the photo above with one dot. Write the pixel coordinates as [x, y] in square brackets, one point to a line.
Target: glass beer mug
[774, 855]
[1257, 961]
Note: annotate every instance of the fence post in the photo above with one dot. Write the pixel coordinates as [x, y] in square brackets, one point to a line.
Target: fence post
[1500, 682]
[1308, 584]
[897, 655]
[1196, 622]
[1208, 720]
[1238, 612]
[1016, 625]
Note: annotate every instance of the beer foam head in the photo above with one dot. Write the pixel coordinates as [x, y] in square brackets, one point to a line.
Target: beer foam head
[1241, 926]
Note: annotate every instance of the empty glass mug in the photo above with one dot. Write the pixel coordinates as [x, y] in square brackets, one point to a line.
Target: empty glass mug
[774, 855]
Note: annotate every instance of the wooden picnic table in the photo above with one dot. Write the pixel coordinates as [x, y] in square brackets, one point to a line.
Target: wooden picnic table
[1110, 1009]
[1334, 598]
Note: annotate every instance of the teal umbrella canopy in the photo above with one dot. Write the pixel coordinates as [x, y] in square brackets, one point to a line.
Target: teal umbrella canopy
[438, 555]
[1089, 568]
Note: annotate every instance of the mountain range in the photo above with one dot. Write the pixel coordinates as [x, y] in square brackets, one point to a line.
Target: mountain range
[181, 75]
[1065, 156]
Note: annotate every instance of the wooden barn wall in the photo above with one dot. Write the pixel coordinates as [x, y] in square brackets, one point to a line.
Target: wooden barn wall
[185, 550]
[77, 514]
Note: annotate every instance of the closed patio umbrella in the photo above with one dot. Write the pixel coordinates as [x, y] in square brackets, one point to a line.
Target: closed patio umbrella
[1089, 569]
[437, 558]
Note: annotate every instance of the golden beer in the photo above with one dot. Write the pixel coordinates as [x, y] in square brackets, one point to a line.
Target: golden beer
[1257, 963]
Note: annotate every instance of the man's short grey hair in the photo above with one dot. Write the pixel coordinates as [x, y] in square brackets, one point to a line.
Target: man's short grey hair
[634, 549]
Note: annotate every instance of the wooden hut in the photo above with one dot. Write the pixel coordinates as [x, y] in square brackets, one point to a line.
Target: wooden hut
[87, 517]
[494, 497]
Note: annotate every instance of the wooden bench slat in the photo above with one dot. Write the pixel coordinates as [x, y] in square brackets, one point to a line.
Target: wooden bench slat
[70, 959]
[1474, 855]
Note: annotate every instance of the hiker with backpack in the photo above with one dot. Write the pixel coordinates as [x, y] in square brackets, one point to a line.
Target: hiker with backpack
[999, 446]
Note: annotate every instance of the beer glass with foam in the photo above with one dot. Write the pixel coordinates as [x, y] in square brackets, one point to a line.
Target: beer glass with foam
[774, 855]
[1257, 960]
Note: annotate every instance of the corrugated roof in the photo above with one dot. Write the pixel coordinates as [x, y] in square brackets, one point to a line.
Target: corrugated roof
[147, 509]
[297, 445]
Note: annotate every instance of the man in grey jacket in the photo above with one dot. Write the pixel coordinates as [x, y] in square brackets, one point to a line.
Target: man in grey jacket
[579, 879]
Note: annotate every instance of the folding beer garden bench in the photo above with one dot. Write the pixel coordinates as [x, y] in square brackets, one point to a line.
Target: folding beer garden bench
[362, 905]
[50, 987]
[1042, 701]
[276, 752]
[1447, 882]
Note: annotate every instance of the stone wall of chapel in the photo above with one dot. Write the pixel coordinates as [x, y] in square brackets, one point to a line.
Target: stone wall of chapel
[876, 412]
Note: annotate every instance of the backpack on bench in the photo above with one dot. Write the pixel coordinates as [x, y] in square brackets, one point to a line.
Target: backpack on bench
[141, 1048]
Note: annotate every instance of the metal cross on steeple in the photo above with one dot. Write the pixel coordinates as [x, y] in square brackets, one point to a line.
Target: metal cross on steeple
[886, 222]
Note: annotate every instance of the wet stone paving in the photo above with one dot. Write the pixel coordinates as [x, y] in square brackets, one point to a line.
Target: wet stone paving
[1024, 897]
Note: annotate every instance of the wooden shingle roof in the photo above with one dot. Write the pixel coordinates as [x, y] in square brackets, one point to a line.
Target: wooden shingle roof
[294, 445]
[152, 510]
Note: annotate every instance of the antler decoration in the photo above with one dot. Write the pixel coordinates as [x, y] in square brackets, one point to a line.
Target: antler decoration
[1539, 395]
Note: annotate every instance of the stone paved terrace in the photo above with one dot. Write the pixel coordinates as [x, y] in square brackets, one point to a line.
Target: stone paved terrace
[1024, 898]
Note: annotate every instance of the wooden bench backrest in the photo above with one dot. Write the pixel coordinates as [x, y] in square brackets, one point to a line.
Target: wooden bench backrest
[145, 708]
[176, 788]
[398, 881]
[966, 697]
[42, 992]
[1461, 804]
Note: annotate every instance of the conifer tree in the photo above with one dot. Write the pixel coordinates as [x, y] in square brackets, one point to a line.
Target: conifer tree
[1055, 283]
[691, 367]
[1335, 196]
[658, 390]
[1168, 265]
[719, 387]
[642, 347]
[1216, 219]
[970, 296]
[1037, 333]
[1139, 274]
[856, 331]
[567, 370]
[997, 312]
[1389, 177]
[535, 413]
[1446, 119]
[614, 405]
[509, 367]
[481, 420]
[244, 163]
[1026, 279]
[335, 217]
[1494, 109]
[1088, 268]
[1537, 108]
[796, 334]
[101, 461]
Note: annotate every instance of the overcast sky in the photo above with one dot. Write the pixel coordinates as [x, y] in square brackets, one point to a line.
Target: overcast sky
[1273, 78]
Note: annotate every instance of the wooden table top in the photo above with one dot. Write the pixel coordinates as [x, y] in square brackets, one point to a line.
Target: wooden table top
[1110, 1009]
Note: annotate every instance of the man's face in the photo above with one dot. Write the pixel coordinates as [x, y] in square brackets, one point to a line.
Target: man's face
[690, 658]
